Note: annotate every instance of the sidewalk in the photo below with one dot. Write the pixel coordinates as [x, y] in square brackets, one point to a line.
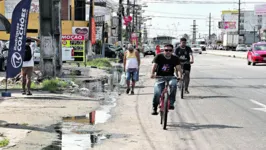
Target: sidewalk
[28, 121]
[242, 55]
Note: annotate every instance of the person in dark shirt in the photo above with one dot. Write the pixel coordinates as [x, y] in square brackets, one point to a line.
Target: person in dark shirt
[165, 64]
[184, 53]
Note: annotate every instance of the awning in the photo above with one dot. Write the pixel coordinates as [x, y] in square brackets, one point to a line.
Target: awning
[4, 24]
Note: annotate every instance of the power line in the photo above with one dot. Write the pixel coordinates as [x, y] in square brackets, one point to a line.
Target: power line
[174, 13]
[197, 18]
[200, 2]
[172, 29]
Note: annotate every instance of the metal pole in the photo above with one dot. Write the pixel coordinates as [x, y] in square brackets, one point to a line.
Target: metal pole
[210, 27]
[254, 34]
[239, 12]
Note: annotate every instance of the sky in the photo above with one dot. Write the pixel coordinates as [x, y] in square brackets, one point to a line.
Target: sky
[179, 26]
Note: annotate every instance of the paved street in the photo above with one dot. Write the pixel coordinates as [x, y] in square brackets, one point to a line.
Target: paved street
[225, 110]
[235, 54]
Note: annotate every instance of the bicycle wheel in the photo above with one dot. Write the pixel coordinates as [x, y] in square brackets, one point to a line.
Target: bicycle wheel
[182, 90]
[165, 110]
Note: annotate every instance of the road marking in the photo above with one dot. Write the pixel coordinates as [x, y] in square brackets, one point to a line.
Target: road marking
[260, 104]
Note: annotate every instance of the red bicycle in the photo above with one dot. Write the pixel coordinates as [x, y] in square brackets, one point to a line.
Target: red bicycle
[165, 99]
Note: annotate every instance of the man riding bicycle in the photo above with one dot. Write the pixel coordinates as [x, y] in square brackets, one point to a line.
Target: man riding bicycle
[184, 53]
[165, 64]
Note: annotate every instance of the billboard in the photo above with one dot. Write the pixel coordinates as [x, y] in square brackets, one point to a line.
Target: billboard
[260, 9]
[10, 6]
[227, 25]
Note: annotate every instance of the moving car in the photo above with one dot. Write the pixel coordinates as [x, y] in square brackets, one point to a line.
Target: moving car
[148, 50]
[196, 48]
[257, 53]
[241, 47]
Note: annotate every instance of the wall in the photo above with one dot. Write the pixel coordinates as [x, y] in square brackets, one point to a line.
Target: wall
[34, 24]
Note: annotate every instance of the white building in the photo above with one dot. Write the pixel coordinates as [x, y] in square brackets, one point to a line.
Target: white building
[249, 21]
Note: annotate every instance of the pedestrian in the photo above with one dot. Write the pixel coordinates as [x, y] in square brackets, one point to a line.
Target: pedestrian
[27, 68]
[131, 67]
[158, 50]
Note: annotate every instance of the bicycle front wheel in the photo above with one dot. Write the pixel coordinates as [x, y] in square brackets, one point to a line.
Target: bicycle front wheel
[165, 110]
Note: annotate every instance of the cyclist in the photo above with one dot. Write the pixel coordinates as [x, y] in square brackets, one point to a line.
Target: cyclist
[165, 64]
[184, 53]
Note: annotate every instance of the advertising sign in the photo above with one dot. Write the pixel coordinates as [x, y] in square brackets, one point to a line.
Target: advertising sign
[99, 32]
[81, 31]
[229, 25]
[134, 39]
[18, 34]
[260, 9]
[77, 42]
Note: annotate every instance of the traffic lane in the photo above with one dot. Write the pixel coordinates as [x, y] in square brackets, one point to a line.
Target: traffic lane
[215, 115]
[220, 100]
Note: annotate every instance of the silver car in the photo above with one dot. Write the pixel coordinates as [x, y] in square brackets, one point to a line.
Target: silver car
[241, 47]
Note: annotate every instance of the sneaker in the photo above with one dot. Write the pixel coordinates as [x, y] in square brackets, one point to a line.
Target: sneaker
[186, 91]
[132, 93]
[154, 111]
[23, 92]
[29, 93]
[128, 90]
[171, 107]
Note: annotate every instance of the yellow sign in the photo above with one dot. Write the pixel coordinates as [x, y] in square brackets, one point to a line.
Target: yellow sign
[230, 12]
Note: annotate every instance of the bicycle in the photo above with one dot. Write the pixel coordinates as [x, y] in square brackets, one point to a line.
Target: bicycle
[165, 99]
[182, 82]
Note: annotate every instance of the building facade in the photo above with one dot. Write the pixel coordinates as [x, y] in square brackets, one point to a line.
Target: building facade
[74, 13]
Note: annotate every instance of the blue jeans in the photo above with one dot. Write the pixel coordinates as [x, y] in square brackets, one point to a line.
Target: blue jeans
[132, 73]
[159, 87]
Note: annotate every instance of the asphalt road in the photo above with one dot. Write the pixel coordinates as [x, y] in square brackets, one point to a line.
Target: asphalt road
[225, 110]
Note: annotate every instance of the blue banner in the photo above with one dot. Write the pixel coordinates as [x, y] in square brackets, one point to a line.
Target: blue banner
[17, 41]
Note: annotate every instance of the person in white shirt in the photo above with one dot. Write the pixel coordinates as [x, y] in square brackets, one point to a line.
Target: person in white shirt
[27, 68]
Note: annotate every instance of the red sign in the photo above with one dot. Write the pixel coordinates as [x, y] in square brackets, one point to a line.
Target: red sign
[73, 37]
[93, 31]
[229, 25]
[127, 20]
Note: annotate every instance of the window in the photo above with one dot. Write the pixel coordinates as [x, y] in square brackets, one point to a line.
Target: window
[260, 47]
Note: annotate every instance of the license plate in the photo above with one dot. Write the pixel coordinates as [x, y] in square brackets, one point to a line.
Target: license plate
[264, 58]
[149, 52]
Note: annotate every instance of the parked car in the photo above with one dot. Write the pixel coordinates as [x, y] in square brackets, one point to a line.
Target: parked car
[257, 53]
[241, 47]
[148, 50]
[220, 47]
[196, 48]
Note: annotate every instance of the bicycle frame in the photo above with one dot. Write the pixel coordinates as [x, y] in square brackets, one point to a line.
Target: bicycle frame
[165, 90]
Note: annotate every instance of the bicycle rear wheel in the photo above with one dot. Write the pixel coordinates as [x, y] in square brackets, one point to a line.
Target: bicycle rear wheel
[182, 90]
[165, 110]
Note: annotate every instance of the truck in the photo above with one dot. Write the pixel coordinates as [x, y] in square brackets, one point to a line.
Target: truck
[230, 41]
[202, 43]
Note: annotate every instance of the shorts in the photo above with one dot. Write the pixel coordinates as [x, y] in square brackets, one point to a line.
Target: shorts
[132, 74]
[187, 67]
[27, 71]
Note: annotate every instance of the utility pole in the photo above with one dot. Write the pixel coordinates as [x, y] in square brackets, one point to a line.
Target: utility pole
[210, 17]
[254, 34]
[89, 45]
[50, 36]
[239, 12]
[133, 23]
[128, 26]
[194, 32]
[120, 22]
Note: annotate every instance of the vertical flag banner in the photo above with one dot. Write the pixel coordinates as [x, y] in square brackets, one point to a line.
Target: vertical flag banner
[93, 31]
[18, 37]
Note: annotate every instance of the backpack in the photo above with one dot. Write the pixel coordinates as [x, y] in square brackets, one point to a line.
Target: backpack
[27, 54]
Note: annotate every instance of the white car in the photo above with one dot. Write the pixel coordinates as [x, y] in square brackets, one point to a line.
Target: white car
[241, 47]
[196, 48]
